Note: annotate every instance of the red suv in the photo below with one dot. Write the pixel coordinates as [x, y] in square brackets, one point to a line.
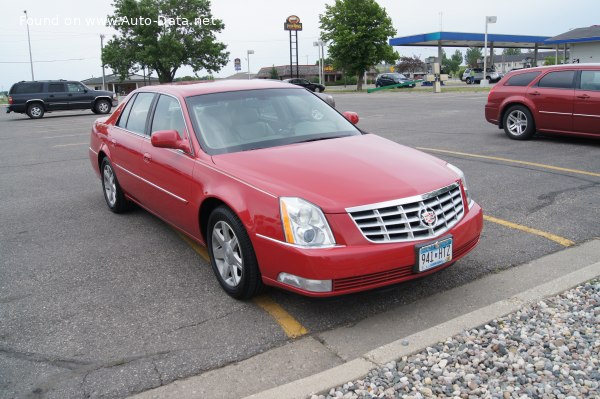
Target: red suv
[559, 99]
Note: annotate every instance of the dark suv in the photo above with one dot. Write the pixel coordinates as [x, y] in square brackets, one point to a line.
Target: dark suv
[37, 97]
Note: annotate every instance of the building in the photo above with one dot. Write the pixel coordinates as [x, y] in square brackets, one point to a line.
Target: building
[120, 86]
[584, 44]
[504, 63]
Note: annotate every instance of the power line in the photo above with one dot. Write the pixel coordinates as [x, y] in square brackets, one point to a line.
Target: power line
[27, 62]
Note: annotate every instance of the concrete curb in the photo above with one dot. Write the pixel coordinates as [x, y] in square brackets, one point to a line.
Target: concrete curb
[378, 357]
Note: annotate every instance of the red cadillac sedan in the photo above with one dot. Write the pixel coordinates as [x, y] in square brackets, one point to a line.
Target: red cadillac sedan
[282, 189]
[559, 99]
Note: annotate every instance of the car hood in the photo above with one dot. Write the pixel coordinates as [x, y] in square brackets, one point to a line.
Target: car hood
[340, 173]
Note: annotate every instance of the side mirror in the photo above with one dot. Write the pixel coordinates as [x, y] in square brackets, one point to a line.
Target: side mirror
[351, 116]
[169, 139]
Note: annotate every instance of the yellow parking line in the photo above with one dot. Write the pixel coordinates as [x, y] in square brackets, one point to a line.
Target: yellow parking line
[290, 326]
[199, 249]
[552, 237]
[538, 165]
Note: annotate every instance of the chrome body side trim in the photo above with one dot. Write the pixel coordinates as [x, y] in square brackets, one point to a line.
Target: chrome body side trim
[152, 184]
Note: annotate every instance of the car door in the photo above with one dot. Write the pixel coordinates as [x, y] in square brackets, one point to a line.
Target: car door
[553, 97]
[56, 97]
[169, 172]
[125, 144]
[586, 107]
[78, 96]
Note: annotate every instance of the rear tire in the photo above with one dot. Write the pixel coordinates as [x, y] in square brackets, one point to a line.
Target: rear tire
[468, 81]
[518, 123]
[232, 255]
[102, 107]
[35, 111]
[113, 194]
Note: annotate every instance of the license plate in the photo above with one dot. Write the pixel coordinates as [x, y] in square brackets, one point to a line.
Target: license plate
[434, 255]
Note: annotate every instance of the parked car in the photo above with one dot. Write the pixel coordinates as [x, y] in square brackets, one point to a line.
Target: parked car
[306, 84]
[388, 79]
[560, 99]
[38, 97]
[491, 75]
[282, 189]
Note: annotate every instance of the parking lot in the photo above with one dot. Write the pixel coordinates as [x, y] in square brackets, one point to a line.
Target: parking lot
[95, 304]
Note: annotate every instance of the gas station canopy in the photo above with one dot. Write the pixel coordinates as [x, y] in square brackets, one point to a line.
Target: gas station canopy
[460, 39]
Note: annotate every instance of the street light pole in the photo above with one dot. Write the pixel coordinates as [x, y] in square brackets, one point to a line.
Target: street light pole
[249, 52]
[491, 20]
[29, 41]
[101, 47]
[320, 44]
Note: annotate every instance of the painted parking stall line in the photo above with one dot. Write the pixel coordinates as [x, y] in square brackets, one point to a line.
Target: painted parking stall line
[290, 326]
[516, 161]
[69, 145]
[565, 242]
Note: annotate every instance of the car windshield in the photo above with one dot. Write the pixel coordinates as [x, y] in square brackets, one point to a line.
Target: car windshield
[252, 119]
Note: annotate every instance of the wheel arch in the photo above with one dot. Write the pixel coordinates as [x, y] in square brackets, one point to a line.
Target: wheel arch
[510, 103]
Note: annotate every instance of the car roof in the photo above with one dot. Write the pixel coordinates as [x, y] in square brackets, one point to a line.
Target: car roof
[561, 66]
[217, 86]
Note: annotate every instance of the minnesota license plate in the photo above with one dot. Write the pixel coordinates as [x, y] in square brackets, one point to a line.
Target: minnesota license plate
[434, 255]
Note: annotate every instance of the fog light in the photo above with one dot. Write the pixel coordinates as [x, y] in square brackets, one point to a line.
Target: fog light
[305, 283]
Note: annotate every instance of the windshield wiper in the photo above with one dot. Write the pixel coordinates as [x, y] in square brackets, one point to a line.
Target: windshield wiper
[319, 139]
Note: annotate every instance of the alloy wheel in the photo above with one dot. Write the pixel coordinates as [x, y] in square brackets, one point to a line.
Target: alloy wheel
[227, 254]
[110, 185]
[517, 122]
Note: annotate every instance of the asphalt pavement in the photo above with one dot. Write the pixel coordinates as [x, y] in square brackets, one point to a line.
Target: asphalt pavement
[101, 305]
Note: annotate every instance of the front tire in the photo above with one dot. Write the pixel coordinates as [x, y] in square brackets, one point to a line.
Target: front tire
[102, 107]
[35, 111]
[232, 256]
[518, 123]
[113, 194]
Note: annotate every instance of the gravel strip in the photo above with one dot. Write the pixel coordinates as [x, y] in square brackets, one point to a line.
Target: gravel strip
[546, 350]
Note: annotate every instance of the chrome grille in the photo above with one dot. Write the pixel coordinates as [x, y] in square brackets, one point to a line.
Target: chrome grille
[400, 220]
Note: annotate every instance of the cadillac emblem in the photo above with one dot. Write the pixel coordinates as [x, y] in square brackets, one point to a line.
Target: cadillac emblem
[428, 217]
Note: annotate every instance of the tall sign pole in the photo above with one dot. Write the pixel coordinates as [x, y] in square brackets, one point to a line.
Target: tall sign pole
[293, 25]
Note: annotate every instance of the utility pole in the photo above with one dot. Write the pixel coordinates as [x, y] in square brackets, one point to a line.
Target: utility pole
[29, 41]
[101, 47]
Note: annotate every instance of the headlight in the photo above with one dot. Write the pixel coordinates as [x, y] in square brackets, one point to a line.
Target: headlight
[304, 223]
[464, 182]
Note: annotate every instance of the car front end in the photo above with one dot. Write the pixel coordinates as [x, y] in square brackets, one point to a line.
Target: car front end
[362, 258]
[364, 213]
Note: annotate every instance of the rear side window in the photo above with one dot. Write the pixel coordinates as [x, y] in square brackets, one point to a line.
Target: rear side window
[522, 79]
[56, 87]
[590, 80]
[125, 114]
[558, 80]
[139, 113]
[27, 88]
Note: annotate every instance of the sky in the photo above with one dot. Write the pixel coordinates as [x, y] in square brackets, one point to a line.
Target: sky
[61, 49]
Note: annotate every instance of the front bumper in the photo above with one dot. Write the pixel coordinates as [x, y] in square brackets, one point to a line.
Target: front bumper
[358, 266]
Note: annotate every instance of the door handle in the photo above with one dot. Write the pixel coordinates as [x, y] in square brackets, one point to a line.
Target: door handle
[147, 157]
[113, 142]
[534, 93]
[584, 96]
[51, 96]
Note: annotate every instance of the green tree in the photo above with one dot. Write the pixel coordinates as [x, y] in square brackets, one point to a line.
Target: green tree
[472, 56]
[551, 60]
[359, 31]
[410, 64]
[511, 51]
[164, 35]
[273, 74]
[451, 65]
